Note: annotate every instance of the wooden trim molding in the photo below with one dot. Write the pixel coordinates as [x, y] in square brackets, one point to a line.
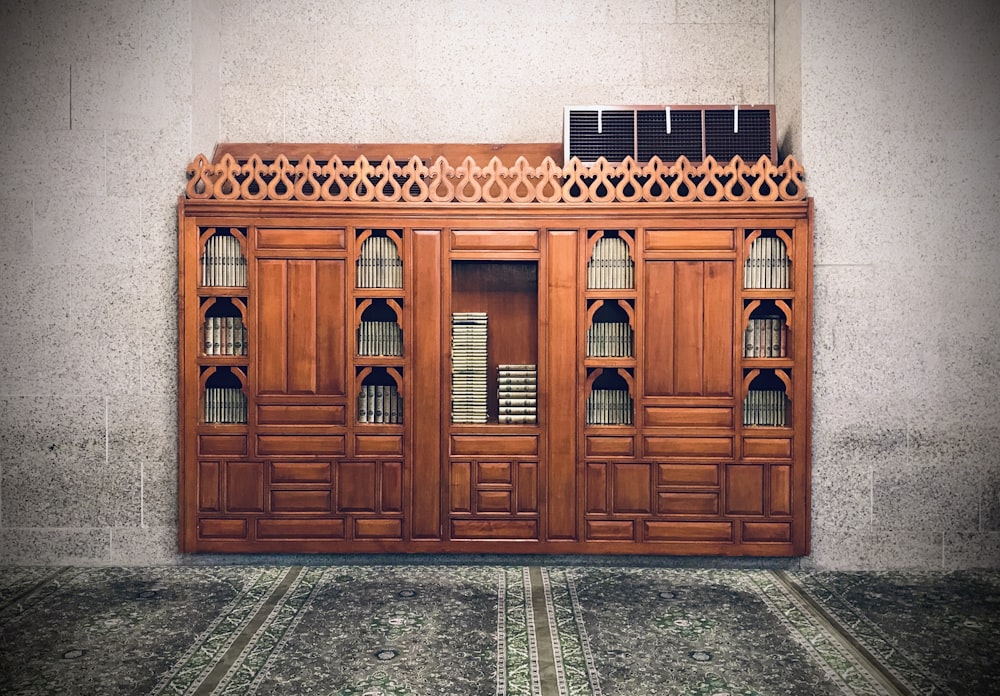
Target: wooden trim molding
[331, 179]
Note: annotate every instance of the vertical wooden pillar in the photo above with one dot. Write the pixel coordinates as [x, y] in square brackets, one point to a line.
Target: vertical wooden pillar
[424, 398]
[561, 387]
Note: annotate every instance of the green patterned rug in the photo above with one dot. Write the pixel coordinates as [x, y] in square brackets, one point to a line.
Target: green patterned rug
[395, 630]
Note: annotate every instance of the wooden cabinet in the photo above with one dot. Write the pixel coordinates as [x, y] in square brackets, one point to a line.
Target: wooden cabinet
[503, 356]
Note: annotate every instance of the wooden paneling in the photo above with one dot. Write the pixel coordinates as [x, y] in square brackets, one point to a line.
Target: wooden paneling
[356, 487]
[300, 238]
[689, 240]
[630, 488]
[301, 472]
[288, 445]
[301, 318]
[494, 529]
[692, 447]
[745, 490]
[689, 531]
[291, 414]
[688, 474]
[508, 445]
[244, 487]
[559, 379]
[301, 475]
[302, 501]
[424, 484]
[222, 444]
[688, 345]
[687, 416]
[494, 240]
[301, 528]
[209, 480]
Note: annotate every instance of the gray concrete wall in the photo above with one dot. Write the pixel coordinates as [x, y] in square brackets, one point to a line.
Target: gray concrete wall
[899, 116]
[104, 102]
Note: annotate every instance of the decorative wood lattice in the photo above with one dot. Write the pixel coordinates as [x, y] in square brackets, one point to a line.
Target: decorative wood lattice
[387, 181]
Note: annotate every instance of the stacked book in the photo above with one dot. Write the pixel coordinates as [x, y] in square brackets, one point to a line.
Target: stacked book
[380, 338]
[765, 337]
[379, 265]
[223, 264]
[765, 407]
[610, 266]
[767, 264]
[517, 393]
[468, 367]
[379, 403]
[609, 407]
[225, 405]
[607, 339]
[225, 336]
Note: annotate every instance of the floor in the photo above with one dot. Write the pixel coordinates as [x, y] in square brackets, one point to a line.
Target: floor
[498, 630]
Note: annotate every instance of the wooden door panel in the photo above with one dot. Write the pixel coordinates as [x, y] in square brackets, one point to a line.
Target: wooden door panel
[301, 345]
[688, 329]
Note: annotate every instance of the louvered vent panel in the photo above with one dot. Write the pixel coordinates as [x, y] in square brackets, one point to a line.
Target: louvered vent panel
[684, 137]
[597, 133]
[640, 132]
[751, 140]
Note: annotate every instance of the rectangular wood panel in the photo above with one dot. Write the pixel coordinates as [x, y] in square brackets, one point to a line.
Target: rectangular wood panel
[208, 487]
[498, 240]
[527, 487]
[302, 321]
[301, 472]
[780, 490]
[286, 445]
[689, 531]
[494, 529]
[356, 487]
[597, 487]
[745, 489]
[302, 501]
[686, 240]
[244, 487]
[302, 528]
[688, 344]
[424, 484]
[688, 447]
[688, 417]
[610, 530]
[489, 444]
[213, 528]
[222, 444]
[392, 487]
[630, 488]
[300, 238]
[461, 487]
[688, 474]
[559, 468]
[290, 414]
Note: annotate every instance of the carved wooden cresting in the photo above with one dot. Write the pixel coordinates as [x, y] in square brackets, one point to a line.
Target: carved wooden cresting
[489, 352]
[414, 182]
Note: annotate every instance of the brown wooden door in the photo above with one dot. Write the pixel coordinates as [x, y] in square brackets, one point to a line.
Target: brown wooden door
[688, 344]
[301, 347]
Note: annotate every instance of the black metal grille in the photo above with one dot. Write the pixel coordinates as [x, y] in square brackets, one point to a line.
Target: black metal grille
[751, 140]
[614, 142]
[684, 137]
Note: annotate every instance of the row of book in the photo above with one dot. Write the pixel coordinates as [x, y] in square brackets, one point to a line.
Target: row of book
[379, 265]
[379, 403]
[468, 367]
[380, 338]
[225, 405]
[765, 407]
[609, 407]
[517, 393]
[765, 337]
[610, 266]
[609, 340]
[767, 266]
[223, 264]
[225, 336]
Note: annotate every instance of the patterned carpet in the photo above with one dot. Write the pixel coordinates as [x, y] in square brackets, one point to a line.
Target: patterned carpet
[394, 630]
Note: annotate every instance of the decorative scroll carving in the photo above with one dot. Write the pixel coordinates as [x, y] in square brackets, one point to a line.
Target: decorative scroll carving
[362, 181]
